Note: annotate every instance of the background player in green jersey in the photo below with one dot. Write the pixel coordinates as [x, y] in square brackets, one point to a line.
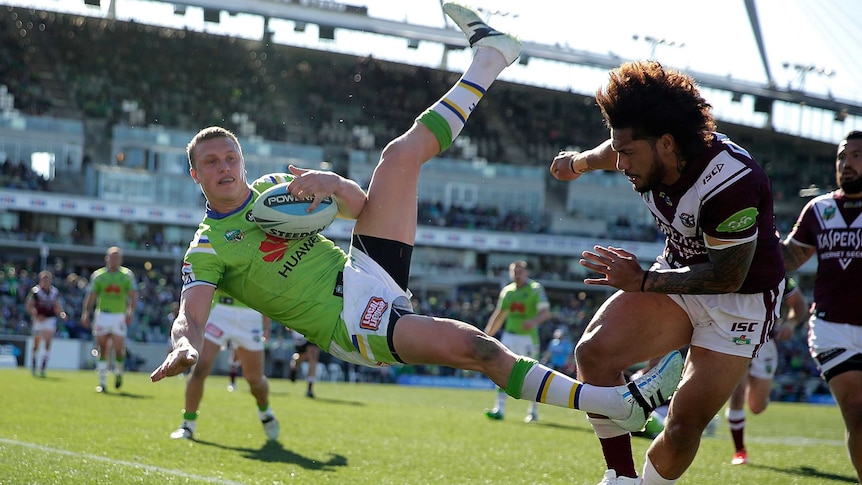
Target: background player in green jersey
[521, 308]
[113, 292]
[356, 306]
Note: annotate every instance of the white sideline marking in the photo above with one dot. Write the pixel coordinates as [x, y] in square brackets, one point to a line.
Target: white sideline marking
[151, 468]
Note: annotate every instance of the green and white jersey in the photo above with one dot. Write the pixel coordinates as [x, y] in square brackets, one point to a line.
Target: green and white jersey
[295, 282]
[112, 288]
[522, 304]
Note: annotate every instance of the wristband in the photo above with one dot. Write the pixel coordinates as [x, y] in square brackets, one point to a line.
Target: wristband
[572, 167]
[643, 281]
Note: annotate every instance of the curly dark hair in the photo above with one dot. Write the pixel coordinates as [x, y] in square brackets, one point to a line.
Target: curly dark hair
[653, 101]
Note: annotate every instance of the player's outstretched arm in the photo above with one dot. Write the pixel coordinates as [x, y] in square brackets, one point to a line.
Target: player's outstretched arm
[187, 332]
[571, 165]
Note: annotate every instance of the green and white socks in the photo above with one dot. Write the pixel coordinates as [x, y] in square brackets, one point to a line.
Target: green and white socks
[446, 118]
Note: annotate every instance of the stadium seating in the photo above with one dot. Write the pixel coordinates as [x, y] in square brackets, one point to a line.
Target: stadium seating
[110, 74]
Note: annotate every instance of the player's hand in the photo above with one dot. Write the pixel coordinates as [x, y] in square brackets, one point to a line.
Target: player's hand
[176, 362]
[316, 184]
[569, 165]
[619, 267]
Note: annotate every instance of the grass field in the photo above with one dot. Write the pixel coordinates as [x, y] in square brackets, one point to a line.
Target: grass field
[57, 430]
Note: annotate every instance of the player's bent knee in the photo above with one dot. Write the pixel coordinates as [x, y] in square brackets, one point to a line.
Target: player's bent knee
[589, 354]
[757, 408]
[486, 348]
[255, 380]
[682, 434]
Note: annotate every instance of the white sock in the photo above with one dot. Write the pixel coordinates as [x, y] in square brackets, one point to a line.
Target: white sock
[651, 477]
[457, 104]
[266, 413]
[501, 401]
[735, 418]
[102, 367]
[545, 385]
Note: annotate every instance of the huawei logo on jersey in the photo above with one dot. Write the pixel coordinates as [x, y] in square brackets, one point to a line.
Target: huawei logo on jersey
[373, 313]
[274, 248]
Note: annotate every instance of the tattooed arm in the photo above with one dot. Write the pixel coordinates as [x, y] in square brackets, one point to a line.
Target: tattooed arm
[724, 273]
[794, 254]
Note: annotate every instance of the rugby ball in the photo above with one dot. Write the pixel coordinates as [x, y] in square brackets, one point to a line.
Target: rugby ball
[282, 215]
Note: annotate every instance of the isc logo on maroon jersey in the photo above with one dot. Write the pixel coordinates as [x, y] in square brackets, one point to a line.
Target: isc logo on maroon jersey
[373, 313]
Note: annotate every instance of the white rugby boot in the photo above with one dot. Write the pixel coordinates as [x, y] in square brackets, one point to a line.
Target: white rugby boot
[270, 427]
[184, 432]
[650, 390]
[481, 34]
[611, 478]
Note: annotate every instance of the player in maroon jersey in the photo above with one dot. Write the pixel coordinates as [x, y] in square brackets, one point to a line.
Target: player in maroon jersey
[44, 306]
[831, 226]
[716, 286]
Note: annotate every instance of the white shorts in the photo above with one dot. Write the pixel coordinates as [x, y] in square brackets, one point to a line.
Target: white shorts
[47, 324]
[520, 344]
[732, 323]
[763, 366]
[370, 294]
[109, 324]
[298, 338]
[832, 344]
[241, 326]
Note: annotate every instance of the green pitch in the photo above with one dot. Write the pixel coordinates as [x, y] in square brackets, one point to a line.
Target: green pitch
[57, 430]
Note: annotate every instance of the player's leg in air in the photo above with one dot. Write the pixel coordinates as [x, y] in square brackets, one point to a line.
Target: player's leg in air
[383, 239]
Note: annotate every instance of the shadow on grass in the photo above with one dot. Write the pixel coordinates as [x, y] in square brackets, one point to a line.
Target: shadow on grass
[563, 426]
[329, 400]
[274, 452]
[808, 472]
[318, 399]
[125, 394]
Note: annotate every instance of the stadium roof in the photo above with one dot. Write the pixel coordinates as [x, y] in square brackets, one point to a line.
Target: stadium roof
[795, 51]
[767, 64]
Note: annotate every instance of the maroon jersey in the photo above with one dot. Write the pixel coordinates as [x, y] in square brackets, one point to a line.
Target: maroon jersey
[725, 195]
[832, 224]
[45, 301]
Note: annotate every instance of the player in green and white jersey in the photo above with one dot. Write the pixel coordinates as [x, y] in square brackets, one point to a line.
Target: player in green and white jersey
[113, 292]
[521, 308]
[356, 306]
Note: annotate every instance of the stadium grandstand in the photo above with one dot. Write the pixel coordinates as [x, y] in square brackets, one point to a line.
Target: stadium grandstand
[95, 112]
